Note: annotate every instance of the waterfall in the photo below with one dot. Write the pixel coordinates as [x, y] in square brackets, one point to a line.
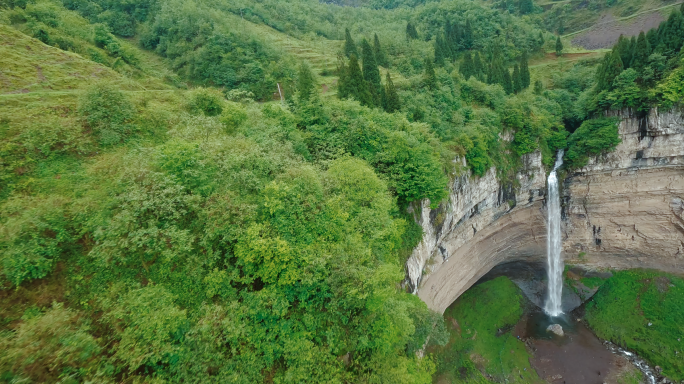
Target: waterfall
[553, 244]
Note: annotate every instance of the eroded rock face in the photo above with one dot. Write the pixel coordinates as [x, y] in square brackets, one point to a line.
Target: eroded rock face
[623, 210]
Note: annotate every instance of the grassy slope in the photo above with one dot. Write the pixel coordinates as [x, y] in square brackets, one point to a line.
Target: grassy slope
[476, 346]
[643, 311]
[28, 65]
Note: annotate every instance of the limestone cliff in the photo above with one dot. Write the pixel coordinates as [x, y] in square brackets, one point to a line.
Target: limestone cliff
[623, 210]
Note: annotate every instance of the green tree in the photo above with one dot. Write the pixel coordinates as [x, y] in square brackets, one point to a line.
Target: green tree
[107, 111]
[379, 53]
[559, 46]
[524, 71]
[507, 81]
[429, 77]
[478, 67]
[468, 38]
[306, 84]
[526, 6]
[349, 45]
[467, 68]
[206, 101]
[392, 103]
[411, 32]
[440, 55]
[538, 87]
[371, 73]
[359, 88]
[641, 53]
[517, 81]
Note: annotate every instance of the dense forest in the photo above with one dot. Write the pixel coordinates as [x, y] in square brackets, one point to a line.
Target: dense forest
[226, 191]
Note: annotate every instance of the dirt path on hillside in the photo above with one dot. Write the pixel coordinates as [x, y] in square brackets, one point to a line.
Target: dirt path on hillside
[607, 31]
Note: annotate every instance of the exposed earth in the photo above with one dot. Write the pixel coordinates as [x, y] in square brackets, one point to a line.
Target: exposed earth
[607, 30]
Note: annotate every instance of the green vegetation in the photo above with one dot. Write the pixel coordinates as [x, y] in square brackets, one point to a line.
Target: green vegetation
[642, 311]
[182, 199]
[480, 341]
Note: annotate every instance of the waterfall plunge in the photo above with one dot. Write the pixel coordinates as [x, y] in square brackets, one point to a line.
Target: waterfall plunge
[553, 244]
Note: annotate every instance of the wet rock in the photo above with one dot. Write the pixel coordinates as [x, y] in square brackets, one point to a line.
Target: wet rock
[556, 329]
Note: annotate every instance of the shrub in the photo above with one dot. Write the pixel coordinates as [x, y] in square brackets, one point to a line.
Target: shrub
[592, 138]
[49, 346]
[107, 111]
[233, 116]
[206, 101]
[33, 236]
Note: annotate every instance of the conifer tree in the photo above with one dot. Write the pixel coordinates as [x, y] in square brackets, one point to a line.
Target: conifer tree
[559, 46]
[641, 53]
[411, 32]
[468, 36]
[306, 85]
[526, 6]
[430, 78]
[358, 86]
[349, 45]
[439, 51]
[538, 87]
[652, 37]
[609, 70]
[478, 67]
[517, 80]
[380, 56]
[524, 71]
[466, 67]
[541, 39]
[624, 47]
[343, 83]
[371, 73]
[507, 81]
[392, 102]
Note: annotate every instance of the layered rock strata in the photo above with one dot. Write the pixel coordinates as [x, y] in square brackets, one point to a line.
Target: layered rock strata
[623, 210]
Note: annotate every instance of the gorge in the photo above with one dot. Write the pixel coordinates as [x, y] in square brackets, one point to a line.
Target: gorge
[622, 210]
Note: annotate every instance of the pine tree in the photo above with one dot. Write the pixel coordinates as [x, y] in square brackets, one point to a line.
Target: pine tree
[343, 83]
[439, 51]
[526, 6]
[609, 70]
[430, 78]
[524, 71]
[559, 46]
[517, 80]
[507, 81]
[380, 56]
[468, 36]
[411, 32]
[624, 47]
[392, 102]
[541, 40]
[652, 37]
[466, 67]
[478, 67]
[371, 73]
[538, 87]
[641, 53]
[349, 45]
[357, 85]
[306, 84]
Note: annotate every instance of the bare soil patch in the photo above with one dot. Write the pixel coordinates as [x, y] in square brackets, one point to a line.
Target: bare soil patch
[607, 30]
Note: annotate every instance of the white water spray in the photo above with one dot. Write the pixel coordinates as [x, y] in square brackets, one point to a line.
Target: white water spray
[553, 244]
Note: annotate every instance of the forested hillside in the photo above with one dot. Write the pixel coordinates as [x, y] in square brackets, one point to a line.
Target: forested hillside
[226, 191]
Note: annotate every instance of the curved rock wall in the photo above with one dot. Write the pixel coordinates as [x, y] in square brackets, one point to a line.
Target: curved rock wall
[623, 210]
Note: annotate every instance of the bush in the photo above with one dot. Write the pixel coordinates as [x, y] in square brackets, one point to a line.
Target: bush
[107, 111]
[49, 346]
[233, 116]
[592, 138]
[206, 101]
[33, 235]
